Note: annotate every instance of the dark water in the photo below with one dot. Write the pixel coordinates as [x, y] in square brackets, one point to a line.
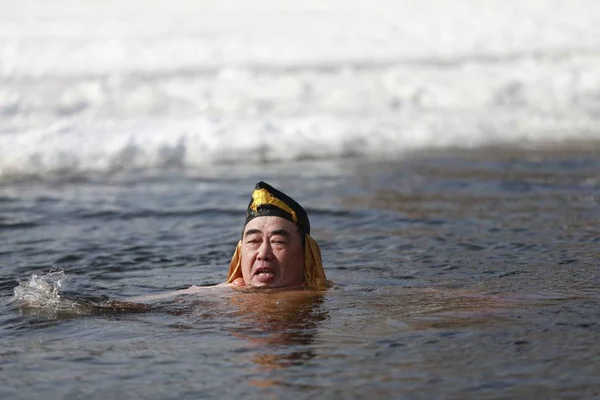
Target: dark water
[458, 275]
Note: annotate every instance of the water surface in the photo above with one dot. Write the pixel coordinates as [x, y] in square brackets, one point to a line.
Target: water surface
[457, 275]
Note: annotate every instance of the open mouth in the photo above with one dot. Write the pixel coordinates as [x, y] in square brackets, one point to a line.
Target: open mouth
[264, 274]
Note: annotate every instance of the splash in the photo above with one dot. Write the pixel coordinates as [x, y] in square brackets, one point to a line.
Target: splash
[42, 295]
[42, 291]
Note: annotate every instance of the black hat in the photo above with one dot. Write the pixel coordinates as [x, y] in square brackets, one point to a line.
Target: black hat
[268, 201]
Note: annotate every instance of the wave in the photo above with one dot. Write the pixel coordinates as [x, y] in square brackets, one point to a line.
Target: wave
[68, 148]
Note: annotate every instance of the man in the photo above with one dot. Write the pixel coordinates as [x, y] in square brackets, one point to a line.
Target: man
[275, 251]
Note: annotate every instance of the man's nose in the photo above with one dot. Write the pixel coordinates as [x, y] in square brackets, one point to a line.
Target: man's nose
[265, 251]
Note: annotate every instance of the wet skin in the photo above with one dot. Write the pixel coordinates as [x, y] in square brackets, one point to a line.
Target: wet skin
[272, 254]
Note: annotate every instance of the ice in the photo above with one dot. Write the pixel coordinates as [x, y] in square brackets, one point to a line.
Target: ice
[107, 85]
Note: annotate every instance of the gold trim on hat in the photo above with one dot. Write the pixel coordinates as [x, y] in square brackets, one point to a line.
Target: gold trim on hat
[261, 197]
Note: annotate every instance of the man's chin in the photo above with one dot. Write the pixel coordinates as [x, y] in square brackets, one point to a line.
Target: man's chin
[275, 285]
[264, 283]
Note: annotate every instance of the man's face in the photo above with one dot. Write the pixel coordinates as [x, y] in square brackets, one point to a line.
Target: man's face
[272, 253]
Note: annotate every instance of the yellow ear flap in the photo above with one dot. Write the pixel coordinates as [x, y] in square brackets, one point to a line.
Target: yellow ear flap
[314, 274]
[235, 267]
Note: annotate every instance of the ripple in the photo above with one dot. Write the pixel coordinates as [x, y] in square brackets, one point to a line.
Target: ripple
[9, 225]
[141, 214]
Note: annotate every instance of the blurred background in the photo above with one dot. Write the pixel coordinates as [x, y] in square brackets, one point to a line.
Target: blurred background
[110, 85]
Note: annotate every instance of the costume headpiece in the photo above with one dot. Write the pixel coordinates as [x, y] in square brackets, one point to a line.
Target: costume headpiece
[268, 201]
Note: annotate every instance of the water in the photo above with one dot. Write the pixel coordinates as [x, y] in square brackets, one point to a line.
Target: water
[457, 275]
[448, 157]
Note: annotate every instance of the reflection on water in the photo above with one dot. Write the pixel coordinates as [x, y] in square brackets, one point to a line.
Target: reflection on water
[280, 327]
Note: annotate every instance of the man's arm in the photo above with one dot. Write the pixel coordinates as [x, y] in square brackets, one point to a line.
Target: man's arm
[191, 290]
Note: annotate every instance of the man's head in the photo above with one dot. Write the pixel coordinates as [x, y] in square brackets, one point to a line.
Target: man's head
[272, 253]
[276, 250]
